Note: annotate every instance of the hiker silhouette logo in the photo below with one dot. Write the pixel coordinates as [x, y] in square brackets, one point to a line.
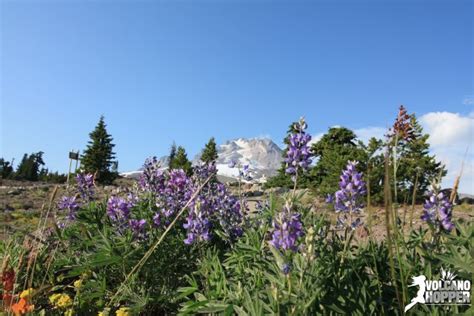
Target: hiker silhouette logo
[445, 291]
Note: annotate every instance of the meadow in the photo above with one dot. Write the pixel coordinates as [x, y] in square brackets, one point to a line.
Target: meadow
[174, 243]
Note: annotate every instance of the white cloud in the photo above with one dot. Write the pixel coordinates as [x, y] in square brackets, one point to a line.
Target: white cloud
[447, 129]
[451, 140]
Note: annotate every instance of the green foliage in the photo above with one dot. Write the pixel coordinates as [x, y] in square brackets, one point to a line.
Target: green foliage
[414, 159]
[181, 161]
[209, 154]
[333, 151]
[172, 154]
[414, 166]
[29, 167]
[282, 179]
[248, 279]
[6, 169]
[52, 177]
[98, 157]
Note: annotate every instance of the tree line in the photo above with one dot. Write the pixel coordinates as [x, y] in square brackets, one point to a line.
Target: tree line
[417, 169]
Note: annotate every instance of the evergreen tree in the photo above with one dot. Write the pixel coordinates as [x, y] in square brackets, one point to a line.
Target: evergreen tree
[99, 155]
[6, 169]
[29, 167]
[333, 151]
[415, 164]
[172, 154]
[209, 154]
[374, 172]
[181, 161]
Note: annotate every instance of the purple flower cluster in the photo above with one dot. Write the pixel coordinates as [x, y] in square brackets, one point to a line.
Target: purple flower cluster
[85, 185]
[229, 210]
[172, 195]
[69, 204]
[152, 179]
[438, 210]
[348, 199]
[244, 171]
[138, 228]
[287, 228]
[298, 155]
[118, 209]
[197, 223]
[214, 208]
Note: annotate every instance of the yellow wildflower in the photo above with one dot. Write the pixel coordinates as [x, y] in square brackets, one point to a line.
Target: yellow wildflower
[53, 298]
[78, 284]
[26, 293]
[64, 301]
[123, 311]
[61, 300]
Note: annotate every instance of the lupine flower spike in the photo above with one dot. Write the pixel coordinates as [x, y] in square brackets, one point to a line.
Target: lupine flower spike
[437, 210]
[298, 155]
[347, 200]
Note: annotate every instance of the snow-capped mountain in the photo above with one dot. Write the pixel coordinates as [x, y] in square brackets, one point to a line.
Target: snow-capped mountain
[262, 155]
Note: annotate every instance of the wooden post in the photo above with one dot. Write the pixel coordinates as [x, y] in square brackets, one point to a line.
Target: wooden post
[72, 156]
[68, 173]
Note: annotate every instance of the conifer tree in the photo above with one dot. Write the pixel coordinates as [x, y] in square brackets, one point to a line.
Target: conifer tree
[416, 165]
[29, 167]
[99, 155]
[172, 154]
[6, 169]
[209, 154]
[333, 151]
[181, 161]
[282, 179]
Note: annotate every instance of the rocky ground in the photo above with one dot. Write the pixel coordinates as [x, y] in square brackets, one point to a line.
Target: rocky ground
[21, 204]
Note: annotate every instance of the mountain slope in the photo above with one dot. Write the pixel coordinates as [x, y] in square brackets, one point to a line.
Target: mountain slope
[262, 155]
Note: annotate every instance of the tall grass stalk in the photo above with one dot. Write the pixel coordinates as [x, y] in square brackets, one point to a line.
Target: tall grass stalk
[413, 198]
[388, 226]
[42, 223]
[147, 255]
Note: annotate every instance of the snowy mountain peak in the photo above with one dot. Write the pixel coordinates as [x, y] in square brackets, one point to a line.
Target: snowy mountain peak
[262, 155]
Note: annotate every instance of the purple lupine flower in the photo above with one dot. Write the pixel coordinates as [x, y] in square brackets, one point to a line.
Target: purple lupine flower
[157, 219]
[138, 227]
[175, 193]
[69, 204]
[85, 185]
[298, 155]
[245, 173]
[198, 224]
[232, 163]
[214, 208]
[229, 213]
[152, 179]
[329, 199]
[348, 199]
[286, 268]
[204, 171]
[287, 228]
[118, 209]
[437, 210]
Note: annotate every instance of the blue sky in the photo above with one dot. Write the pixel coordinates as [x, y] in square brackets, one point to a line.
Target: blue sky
[164, 71]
